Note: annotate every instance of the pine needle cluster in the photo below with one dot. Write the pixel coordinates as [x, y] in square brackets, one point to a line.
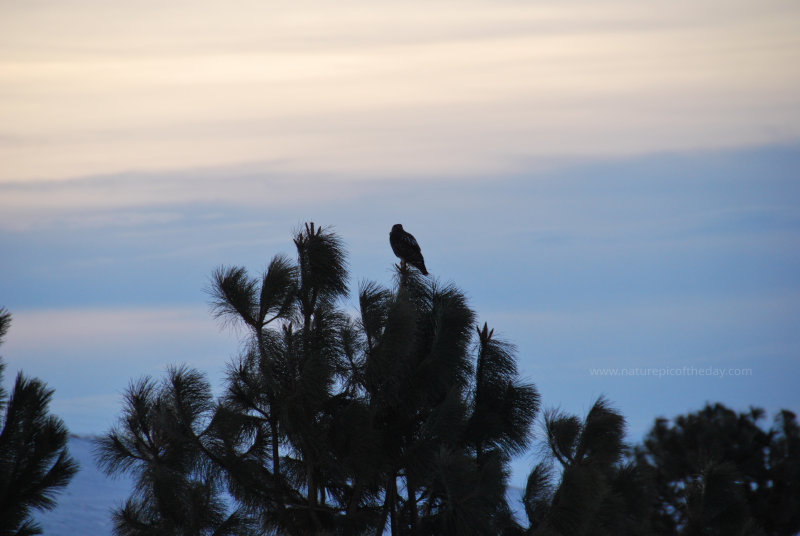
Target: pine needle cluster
[398, 417]
[34, 462]
[402, 418]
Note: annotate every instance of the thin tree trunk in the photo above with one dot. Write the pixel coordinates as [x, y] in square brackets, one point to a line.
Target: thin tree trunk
[311, 482]
[393, 503]
[412, 503]
[384, 514]
[276, 458]
[273, 422]
[479, 370]
[355, 500]
[388, 507]
[313, 493]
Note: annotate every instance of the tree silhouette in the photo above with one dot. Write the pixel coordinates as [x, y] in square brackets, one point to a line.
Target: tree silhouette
[402, 417]
[718, 472]
[394, 417]
[582, 486]
[34, 462]
[158, 440]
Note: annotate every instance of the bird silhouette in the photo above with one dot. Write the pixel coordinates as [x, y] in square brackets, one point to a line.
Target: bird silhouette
[406, 247]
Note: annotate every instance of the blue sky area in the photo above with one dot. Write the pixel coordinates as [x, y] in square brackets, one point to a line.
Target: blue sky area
[613, 186]
[663, 262]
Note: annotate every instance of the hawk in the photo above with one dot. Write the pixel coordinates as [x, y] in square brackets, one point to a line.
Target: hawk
[405, 246]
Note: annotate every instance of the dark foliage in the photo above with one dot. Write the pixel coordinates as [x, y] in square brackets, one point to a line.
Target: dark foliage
[581, 487]
[714, 472]
[393, 418]
[719, 472]
[34, 462]
[402, 418]
[159, 441]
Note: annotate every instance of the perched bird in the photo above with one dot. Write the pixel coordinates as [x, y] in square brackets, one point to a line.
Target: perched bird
[405, 246]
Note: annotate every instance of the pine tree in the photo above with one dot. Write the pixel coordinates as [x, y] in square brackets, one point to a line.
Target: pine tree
[402, 417]
[395, 417]
[590, 492]
[160, 441]
[717, 471]
[34, 461]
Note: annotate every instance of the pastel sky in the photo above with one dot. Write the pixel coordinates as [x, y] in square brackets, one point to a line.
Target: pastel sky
[613, 183]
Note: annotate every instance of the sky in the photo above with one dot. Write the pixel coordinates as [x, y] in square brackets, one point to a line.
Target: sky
[614, 184]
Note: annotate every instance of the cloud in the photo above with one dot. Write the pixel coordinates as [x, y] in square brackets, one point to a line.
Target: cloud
[450, 89]
[89, 355]
[554, 198]
[664, 260]
[669, 323]
[130, 199]
[40, 337]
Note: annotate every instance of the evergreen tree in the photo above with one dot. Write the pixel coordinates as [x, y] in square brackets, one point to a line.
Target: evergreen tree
[393, 418]
[283, 389]
[368, 418]
[34, 461]
[582, 487]
[719, 472]
[402, 417]
[159, 441]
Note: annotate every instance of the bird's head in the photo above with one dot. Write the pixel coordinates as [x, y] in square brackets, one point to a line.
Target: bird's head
[397, 227]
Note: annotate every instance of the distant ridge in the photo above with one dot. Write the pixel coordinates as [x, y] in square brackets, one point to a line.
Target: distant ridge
[84, 507]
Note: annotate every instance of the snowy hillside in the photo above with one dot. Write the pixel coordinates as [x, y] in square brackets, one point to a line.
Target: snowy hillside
[84, 507]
